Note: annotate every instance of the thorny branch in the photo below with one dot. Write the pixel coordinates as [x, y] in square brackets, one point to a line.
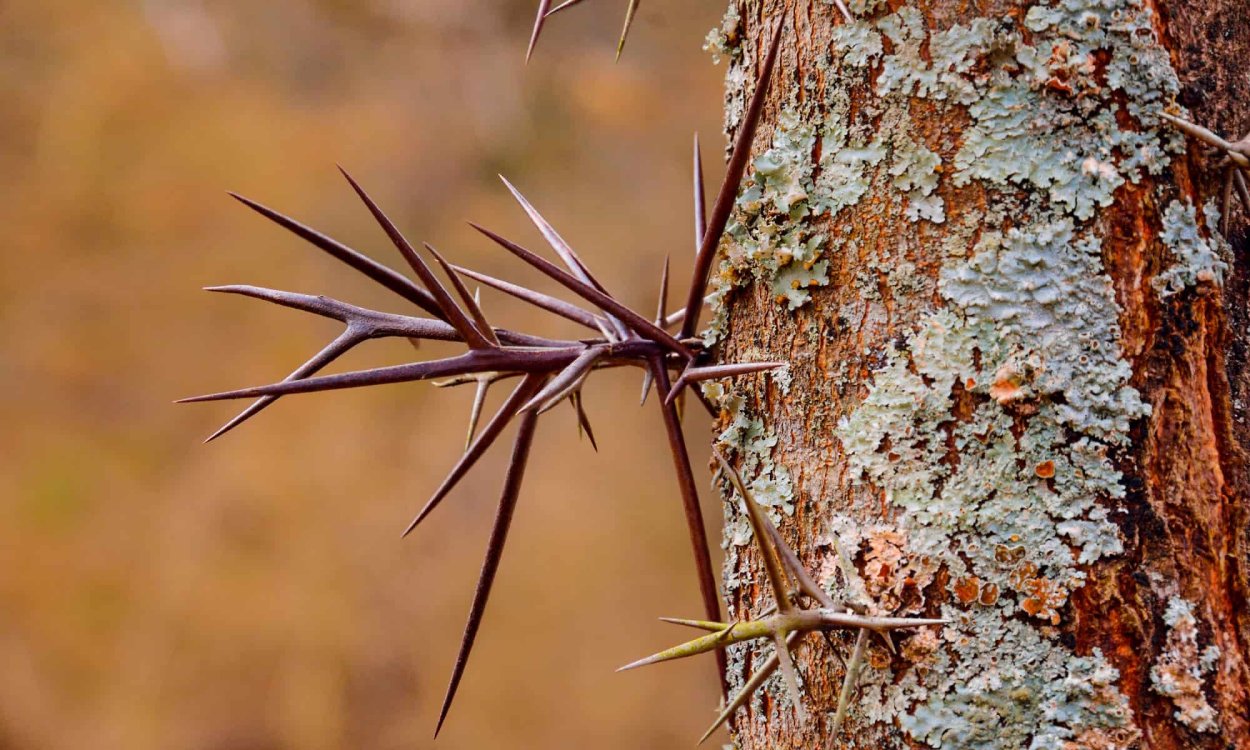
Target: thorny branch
[786, 622]
[551, 370]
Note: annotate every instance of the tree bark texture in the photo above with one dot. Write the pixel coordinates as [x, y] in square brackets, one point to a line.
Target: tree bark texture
[1018, 364]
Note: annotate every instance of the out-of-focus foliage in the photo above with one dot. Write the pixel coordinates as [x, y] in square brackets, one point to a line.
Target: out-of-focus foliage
[254, 594]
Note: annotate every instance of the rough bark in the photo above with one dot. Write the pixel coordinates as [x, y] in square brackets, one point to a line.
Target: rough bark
[1018, 355]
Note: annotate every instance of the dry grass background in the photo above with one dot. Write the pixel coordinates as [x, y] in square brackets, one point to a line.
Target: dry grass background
[253, 593]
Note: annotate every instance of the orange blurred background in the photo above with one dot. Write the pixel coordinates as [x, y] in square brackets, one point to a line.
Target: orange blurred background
[253, 593]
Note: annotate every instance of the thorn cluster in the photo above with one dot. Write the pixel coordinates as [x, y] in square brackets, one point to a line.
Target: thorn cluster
[1235, 162]
[549, 370]
[786, 622]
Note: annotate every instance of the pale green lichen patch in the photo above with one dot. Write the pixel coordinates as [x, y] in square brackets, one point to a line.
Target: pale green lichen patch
[1197, 258]
[1008, 687]
[1182, 670]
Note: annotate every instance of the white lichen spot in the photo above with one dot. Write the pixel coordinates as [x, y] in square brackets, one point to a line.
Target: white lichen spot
[1181, 671]
[1197, 258]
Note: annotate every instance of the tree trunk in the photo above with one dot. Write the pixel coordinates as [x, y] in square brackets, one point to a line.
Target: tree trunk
[1015, 397]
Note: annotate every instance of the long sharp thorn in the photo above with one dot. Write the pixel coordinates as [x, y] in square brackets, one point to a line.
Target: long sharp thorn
[1197, 131]
[494, 552]
[451, 311]
[641, 325]
[729, 190]
[661, 306]
[758, 678]
[475, 412]
[465, 363]
[791, 675]
[583, 421]
[560, 386]
[711, 627]
[700, 201]
[755, 515]
[713, 641]
[853, 667]
[846, 12]
[646, 387]
[715, 372]
[379, 273]
[543, 7]
[331, 352]
[694, 514]
[537, 299]
[630, 12]
[522, 393]
[563, 249]
[472, 302]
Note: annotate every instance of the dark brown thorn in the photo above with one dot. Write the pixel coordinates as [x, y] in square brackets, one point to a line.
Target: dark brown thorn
[451, 311]
[700, 201]
[537, 299]
[661, 305]
[522, 393]
[791, 675]
[470, 301]
[772, 565]
[561, 385]
[641, 325]
[757, 679]
[630, 12]
[475, 361]
[583, 421]
[715, 372]
[729, 190]
[646, 387]
[377, 272]
[494, 553]
[563, 249]
[380, 324]
[335, 349]
[543, 7]
[661, 319]
[694, 514]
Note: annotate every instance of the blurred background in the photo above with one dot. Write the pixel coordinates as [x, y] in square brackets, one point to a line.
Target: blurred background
[253, 594]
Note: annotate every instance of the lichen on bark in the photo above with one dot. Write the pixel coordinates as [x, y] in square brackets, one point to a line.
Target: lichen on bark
[958, 232]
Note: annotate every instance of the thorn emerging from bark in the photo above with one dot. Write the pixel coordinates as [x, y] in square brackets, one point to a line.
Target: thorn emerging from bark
[786, 622]
[1235, 161]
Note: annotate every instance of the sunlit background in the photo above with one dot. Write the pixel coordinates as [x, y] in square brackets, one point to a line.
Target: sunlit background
[254, 594]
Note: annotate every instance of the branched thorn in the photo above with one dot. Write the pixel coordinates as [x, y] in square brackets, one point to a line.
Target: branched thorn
[549, 370]
[801, 606]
